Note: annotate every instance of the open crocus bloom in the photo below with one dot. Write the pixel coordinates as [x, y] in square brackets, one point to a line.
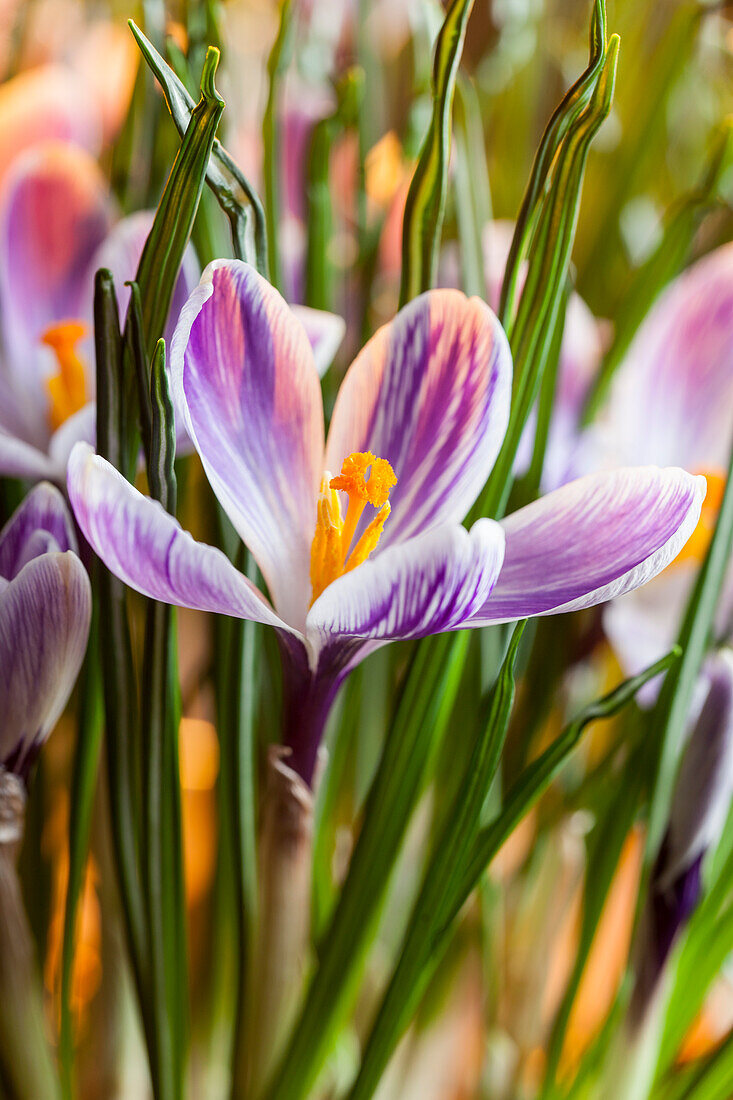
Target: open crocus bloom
[45, 606]
[673, 398]
[416, 427]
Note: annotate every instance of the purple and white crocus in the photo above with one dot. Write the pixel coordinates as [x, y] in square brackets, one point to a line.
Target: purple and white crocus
[672, 399]
[425, 404]
[57, 227]
[45, 607]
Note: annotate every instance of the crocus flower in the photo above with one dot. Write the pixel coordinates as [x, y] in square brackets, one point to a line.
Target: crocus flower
[45, 606]
[698, 812]
[378, 551]
[673, 399]
[57, 227]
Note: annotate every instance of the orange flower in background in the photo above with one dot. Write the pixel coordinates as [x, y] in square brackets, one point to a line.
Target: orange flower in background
[608, 954]
[199, 768]
[87, 973]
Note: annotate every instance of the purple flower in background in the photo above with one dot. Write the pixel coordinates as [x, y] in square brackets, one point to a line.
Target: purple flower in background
[378, 551]
[698, 812]
[45, 606]
[57, 228]
[673, 399]
[581, 353]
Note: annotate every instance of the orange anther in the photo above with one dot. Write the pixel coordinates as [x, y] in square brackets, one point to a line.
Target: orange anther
[67, 389]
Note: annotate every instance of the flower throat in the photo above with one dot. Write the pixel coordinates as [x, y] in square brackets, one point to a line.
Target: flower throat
[331, 552]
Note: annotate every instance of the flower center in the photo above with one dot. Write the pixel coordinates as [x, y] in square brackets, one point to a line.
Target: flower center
[67, 389]
[332, 554]
[696, 546]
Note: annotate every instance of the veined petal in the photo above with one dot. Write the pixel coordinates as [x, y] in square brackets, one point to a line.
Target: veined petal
[429, 584]
[41, 523]
[20, 459]
[148, 549]
[244, 371]
[593, 539]
[55, 214]
[430, 393]
[44, 624]
[324, 330]
[673, 394]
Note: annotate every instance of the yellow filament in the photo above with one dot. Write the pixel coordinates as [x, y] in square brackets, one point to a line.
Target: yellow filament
[67, 389]
[696, 546]
[331, 553]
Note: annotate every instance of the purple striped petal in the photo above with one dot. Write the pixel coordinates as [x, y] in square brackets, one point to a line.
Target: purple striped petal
[148, 549]
[431, 583]
[430, 393]
[55, 215]
[44, 624]
[593, 539]
[324, 330]
[673, 394]
[40, 524]
[243, 368]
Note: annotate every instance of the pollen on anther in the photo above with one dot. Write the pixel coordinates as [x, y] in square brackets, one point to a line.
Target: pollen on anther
[353, 478]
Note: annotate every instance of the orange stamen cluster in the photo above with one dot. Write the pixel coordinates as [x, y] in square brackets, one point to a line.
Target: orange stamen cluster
[331, 552]
[67, 389]
[696, 546]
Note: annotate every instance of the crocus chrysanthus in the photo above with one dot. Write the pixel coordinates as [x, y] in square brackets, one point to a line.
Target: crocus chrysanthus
[57, 227]
[376, 552]
[45, 606]
[697, 815]
[673, 399]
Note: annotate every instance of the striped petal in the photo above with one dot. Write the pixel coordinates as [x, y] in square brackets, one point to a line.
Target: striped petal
[430, 393]
[44, 624]
[593, 539]
[40, 524]
[244, 372]
[673, 394]
[427, 585]
[148, 549]
[324, 330]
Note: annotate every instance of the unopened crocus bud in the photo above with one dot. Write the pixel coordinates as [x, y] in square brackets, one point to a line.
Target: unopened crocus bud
[699, 808]
[45, 607]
